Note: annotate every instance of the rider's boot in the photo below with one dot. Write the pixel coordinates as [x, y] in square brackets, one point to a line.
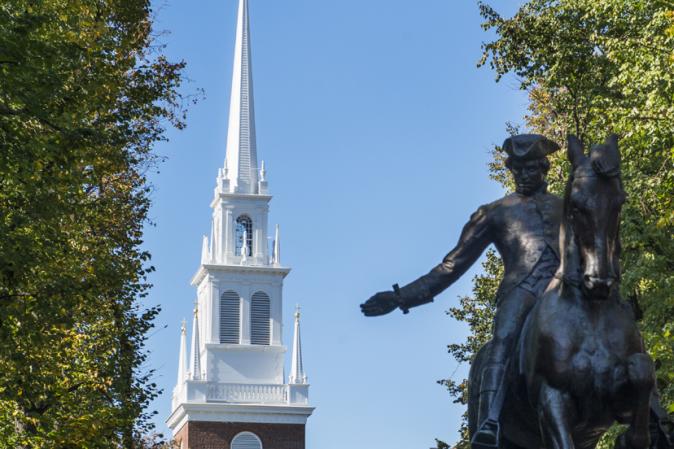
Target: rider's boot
[487, 434]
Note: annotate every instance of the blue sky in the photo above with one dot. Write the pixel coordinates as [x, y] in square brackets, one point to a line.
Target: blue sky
[375, 125]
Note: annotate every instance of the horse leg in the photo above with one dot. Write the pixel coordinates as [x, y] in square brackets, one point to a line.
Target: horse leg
[641, 378]
[660, 424]
[556, 416]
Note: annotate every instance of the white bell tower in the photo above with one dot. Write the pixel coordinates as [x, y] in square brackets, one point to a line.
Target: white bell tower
[234, 383]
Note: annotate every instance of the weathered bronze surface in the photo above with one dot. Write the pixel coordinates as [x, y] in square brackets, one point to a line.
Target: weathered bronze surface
[566, 360]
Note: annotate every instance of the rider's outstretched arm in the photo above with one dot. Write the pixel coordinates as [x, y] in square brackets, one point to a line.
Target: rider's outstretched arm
[475, 237]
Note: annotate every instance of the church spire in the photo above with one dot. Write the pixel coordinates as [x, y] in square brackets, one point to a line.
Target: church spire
[241, 159]
[297, 375]
[195, 355]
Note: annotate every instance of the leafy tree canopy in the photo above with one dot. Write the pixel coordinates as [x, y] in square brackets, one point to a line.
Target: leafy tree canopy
[85, 93]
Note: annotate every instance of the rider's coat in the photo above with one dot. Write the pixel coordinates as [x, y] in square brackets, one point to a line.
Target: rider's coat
[521, 227]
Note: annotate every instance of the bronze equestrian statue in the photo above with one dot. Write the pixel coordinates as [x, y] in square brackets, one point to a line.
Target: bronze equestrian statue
[580, 364]
[566, 360]
[524, 228]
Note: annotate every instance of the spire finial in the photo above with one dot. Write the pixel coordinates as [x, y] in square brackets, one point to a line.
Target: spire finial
[205, 252]
[297, 375]
[195, 355]
[182, 355]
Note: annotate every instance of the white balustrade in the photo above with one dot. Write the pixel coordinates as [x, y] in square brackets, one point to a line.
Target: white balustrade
[247, 393]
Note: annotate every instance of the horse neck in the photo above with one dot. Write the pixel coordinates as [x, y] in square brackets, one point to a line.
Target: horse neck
[570, 261]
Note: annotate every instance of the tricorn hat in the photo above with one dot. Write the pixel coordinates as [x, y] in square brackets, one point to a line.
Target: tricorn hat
[527, 147]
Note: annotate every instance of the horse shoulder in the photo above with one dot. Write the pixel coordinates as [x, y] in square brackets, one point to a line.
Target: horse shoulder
[620, 330]
[556, 328]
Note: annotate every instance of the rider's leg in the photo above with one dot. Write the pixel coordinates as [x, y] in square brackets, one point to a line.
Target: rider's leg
[556, 415]
[511, 312]
[510, 315]
[487, 434]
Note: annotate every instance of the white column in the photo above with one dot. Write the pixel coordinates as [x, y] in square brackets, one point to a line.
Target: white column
[229, 236]
[276, 260]
[258, 253]
[202, 315]
[277, 314]
[214, 318]
[245, 314]
[222, 233]
[215, 235]
[265, 233]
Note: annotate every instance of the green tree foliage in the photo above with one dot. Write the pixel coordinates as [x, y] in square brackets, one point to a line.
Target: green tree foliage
[594, 67]
[84, 94]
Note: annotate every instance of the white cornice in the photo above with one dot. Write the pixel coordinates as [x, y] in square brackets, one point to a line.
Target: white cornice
[245, 348]
[204, 269]
[239, 196]
[268, 414]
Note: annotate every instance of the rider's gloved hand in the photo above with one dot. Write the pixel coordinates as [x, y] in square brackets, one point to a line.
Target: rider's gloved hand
[381, 303]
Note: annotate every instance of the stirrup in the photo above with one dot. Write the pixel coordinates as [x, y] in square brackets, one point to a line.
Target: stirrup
[487, 436]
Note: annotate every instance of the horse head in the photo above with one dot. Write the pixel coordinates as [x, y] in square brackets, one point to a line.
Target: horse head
[592, 203]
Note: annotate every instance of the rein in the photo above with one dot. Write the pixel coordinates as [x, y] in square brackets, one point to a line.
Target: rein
[574, 282]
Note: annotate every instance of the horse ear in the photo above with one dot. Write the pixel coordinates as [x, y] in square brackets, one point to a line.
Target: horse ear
[574, 151]
[606, 158]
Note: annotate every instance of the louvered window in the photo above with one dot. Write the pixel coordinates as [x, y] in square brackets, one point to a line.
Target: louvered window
[259, 319]
[246, 440]
[244, 226]
[230, 314]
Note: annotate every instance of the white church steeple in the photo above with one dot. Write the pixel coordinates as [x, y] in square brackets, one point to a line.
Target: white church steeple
[241, 160]
[236, 368]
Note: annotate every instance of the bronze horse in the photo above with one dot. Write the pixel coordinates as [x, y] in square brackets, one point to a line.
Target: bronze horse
[580, 363]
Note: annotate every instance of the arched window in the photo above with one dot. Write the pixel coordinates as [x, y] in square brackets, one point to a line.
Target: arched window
[244, 226]
[230, 313]
[246, 440]
[259, 319]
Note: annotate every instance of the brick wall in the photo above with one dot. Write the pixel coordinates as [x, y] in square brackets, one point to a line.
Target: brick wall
[218, 435]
